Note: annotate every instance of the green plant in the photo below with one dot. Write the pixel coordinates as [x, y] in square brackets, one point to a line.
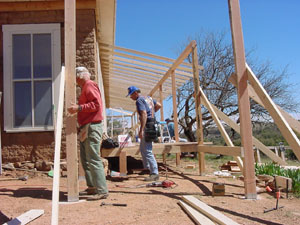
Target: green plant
[273, 169]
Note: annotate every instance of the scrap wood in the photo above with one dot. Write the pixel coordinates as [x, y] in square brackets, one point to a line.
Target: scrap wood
[26, 217]
[208, 211]
[198, 217]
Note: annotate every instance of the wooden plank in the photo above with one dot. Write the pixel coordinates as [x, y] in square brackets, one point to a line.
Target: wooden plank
[101, 87]
[131, 61]
[208, 211]
[26, 217]
[58, 135]
[223, 150]
[279, 120]
[174, 97]
[222, 130]
[243, 97]
[123, 163]
[71, 123]
[198, 217]
[157, 149]
[43, 5]
[178, 61]
[199, 131]
[294, 123]
[145, 54]
[151, 61]
[256, 142]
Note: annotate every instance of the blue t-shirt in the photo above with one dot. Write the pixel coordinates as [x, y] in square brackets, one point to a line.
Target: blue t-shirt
[171, 129]
[144, 104]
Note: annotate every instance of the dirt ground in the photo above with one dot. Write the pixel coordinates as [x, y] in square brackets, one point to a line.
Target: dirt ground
[145, 205]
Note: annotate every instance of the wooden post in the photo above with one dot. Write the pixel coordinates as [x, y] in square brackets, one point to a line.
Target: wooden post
[71, 130]
[57, 123]
[162, 116]
[199, 132]
[243, 97]
[123, 163]
[176, 132]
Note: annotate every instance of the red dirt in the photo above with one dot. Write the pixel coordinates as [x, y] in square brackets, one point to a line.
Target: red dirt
[146, 205]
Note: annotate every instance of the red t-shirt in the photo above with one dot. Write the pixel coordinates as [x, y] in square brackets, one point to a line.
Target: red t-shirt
[91, 104]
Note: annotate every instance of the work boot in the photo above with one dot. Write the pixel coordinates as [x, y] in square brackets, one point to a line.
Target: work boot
[152, 177]
[97, 197]
[88, 191]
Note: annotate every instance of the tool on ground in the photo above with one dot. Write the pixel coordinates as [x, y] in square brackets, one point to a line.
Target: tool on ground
[164, 184]
[24, 178]
[113, 204]
[277, 200]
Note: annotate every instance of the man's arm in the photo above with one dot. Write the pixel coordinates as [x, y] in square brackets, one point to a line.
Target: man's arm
[143, 120]
[157, 106]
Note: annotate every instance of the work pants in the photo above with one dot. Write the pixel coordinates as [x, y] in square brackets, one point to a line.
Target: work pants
[91, 160]
[149, 161]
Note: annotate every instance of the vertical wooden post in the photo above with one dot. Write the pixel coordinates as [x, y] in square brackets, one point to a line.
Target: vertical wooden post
[199, 132]
[176, 132]
[162, 116]
[123, 163]
[243, 97]
[71, 131]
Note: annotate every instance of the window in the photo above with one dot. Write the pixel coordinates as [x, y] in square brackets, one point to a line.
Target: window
[32, 65]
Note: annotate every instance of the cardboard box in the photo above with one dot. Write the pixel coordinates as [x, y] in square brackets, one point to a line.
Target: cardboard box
[218, 189]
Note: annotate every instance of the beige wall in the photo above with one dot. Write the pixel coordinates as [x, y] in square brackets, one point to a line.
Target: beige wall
[33, 146]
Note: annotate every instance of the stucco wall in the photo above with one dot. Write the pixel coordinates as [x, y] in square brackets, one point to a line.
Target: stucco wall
[33, 146]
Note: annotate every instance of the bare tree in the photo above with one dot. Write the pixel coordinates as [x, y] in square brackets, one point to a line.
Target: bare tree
[216, 55]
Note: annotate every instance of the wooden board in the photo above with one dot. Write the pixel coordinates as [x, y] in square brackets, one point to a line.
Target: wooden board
[208, 211]
[58, 134]
[243, 97]
[223, 150]
[198, 217]
[279, 120]
[70, 95]
[221, 128]
[26, 217]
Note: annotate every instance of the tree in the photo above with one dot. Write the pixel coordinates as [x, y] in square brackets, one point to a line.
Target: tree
[215, 53]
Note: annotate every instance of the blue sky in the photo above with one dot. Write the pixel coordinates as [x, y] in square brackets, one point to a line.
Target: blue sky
[159, 27]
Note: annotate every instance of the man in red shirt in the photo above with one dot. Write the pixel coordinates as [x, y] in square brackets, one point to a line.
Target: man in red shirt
[89, 116]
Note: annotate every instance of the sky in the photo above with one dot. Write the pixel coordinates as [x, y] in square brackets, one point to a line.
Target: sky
[160, 27]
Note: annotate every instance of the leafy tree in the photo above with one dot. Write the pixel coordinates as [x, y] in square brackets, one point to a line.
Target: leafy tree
[215, 53]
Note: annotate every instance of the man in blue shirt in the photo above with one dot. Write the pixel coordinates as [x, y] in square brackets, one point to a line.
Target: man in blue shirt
[170, 124]
[146, 108]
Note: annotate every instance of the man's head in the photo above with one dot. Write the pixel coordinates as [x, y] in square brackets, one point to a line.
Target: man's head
[133, 92]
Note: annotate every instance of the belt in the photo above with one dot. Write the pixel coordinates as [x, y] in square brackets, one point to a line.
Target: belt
[96, 122]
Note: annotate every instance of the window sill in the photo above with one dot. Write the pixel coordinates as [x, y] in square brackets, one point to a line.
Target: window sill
[27, 130]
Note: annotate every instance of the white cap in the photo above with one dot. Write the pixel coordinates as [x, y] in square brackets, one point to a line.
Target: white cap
[81, 69]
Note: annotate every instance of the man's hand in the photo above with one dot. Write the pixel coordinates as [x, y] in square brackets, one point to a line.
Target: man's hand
[73, 108]
[141, 134]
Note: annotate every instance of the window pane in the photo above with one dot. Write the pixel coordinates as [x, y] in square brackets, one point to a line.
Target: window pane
[42, 56]
[22, 104]
[43, 103]
[21, 56]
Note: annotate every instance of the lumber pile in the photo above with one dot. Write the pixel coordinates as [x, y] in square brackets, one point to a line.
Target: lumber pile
[231, 166]
[201, 213]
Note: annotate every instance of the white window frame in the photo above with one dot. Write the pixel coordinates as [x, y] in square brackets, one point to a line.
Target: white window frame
[8, 32]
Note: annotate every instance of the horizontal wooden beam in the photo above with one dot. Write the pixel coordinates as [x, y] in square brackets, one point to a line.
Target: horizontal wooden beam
[43, 5]
[221, 150]
[147, 55]
[109, 53]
